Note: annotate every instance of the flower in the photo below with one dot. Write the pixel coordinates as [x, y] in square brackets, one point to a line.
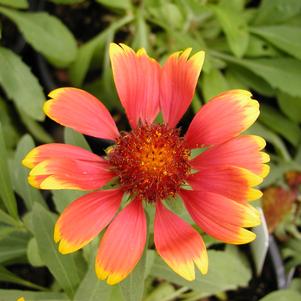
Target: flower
[152, 163]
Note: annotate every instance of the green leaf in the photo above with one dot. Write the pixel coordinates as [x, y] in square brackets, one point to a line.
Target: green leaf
[62, 267]
[234, 26]
[80, 66]
[37, 131]
[67, 1]
[251, 80]
[161, 292]
[226, 271]
[213, 83]
[290, 106]
[279, 124]
[46, 34]
[15, 3]
[273, 70]
[119, 4]
[6, 190]
[33, 254]
[7, 219]
[22, 187]
[14, 246]
[132, 287]
[271, 137]
[141, 36]
[277, 11]
[259, 247]
[62, 198]
[260, 48]
[13, 295]
[93, 289]
[282, 295]
[11, 134]
[75, 138]
[7, 276]
[20, 84]
[286, 38]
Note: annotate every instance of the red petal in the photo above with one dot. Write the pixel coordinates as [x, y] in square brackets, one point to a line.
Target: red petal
[57, 150]
[61, 173]
[229, 181]
[221, 217]
[85, 218]
[82, 112]
[224, 117]
[179, 244]
[136, 77]
[243, 151]
[178, 81]
[122, 244]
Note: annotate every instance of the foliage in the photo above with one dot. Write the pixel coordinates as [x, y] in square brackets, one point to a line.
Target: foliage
[248, 45]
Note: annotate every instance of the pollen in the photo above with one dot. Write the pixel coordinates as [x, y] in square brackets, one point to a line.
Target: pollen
[151, 162]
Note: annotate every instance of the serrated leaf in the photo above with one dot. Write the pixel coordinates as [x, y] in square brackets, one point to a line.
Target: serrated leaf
[62, 267]
[46, 34]
[22, 187]
[235, 28]
[286, 38]
[20, 84]
[6, 190]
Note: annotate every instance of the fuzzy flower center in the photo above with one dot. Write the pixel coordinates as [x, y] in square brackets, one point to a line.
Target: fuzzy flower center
[151, 162]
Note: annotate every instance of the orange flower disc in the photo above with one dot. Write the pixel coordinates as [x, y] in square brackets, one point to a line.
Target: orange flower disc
[151, 161]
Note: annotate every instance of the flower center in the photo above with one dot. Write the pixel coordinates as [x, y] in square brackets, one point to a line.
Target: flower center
[151, 162]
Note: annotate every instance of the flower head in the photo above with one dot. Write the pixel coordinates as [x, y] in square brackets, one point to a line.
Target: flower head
[153, 163]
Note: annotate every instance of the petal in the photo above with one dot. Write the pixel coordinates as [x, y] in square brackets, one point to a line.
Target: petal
[85, 218]
[122, 244]
[232, 182]
[224, 117]
[136, 77]
[179, 244]
[178, 81]
[243, 151]
[57, 150]
[221, 217]
[61, 173]
[81, 111]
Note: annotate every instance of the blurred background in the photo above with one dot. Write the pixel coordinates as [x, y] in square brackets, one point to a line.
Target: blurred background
[253, 45]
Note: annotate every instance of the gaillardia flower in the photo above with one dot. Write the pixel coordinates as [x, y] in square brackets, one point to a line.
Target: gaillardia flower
[152, 163]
